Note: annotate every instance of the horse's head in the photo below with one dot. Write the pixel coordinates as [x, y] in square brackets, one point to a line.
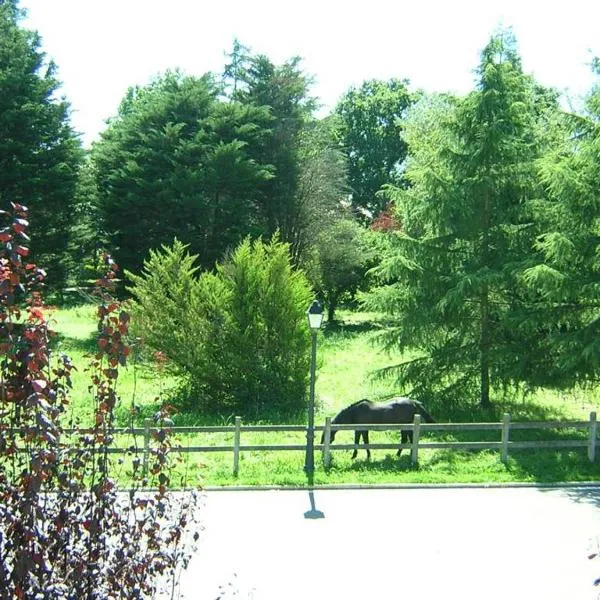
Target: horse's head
[332, 433]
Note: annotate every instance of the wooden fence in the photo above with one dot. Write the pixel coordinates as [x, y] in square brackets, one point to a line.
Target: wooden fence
[504, 444]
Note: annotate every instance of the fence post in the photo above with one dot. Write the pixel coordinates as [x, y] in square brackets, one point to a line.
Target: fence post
[505, 436]
[414, 452]
[592, 439]
[147, 425]
[326, 442]
[236, 446]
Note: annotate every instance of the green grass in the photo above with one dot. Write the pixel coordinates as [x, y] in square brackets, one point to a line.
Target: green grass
[140, 382]
[452, 467]
[435, 466]
[348, 360]
[347, 365]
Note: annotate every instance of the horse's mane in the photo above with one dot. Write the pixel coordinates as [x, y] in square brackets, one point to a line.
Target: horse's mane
[345, 410]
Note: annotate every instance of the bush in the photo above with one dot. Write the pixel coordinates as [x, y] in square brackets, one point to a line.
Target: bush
[240, 333]
[65, 530]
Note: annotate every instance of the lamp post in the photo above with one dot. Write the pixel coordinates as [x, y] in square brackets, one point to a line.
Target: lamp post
[315, 318]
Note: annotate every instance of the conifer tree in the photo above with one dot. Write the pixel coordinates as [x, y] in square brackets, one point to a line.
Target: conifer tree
[565, 275]
[239, 333]
[39, 153]
[451, 277]
[175, 162]
[283, 90]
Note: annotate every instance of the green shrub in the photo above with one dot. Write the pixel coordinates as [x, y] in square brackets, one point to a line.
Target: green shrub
[240, 333]
[167, 310]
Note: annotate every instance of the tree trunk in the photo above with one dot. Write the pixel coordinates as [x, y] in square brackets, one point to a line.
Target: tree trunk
[485, 340]
[484, 351]
[331, 305]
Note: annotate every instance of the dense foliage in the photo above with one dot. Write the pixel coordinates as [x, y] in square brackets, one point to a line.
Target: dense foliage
[370, 122]
[176, 161]
[240, 334]
[565, 273]
[40, 154]
[483, 208]
[283, 90]
[182, 159]
[452, 274]
[341, 258]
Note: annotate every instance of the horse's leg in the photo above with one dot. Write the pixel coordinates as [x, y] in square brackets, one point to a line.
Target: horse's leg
[356, 442]
[366, 441]
[403, 439]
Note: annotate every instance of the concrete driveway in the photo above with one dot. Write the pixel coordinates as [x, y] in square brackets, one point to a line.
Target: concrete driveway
[465, 543]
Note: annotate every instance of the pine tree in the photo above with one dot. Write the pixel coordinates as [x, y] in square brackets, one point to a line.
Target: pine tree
[39, 153]
[176, 163]
[283, 91]
[566, 270]
[451, 277]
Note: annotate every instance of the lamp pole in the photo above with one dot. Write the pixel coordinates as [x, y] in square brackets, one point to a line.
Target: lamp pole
[315, 317]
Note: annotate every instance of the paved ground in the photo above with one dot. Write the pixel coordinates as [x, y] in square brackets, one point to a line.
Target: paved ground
[468, 544]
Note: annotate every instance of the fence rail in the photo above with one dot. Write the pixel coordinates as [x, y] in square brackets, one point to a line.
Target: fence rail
[504, 444]
[416, 427]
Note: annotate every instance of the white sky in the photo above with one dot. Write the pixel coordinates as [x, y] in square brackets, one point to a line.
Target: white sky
[102, 47]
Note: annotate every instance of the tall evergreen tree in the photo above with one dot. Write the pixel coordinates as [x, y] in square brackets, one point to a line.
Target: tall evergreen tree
[176, 163]
[451, 279]
[39, 153]
[234, 71]
[566, 273]
[283, 91]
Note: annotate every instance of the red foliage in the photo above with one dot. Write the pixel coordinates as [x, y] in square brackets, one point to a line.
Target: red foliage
[85, 540]
[386, 221]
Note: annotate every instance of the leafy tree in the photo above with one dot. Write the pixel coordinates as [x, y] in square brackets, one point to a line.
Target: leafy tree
[370, 133]
[452, 275]
[342, 258]
[39, 152]
[240, 333]
[322, 187]
[176, 162]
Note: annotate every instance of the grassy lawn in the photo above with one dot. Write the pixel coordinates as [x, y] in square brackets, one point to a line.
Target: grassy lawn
[348, 361]
[140, 382]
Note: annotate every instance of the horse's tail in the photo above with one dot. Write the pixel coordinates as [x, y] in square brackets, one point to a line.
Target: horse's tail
[421, 410]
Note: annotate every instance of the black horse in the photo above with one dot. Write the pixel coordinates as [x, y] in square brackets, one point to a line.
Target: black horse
[364, 412]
